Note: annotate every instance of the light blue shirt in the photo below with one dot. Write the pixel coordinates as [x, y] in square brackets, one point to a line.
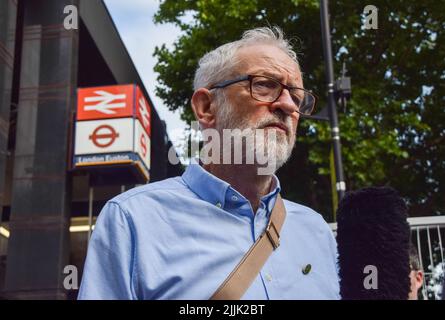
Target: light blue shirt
[181, 237]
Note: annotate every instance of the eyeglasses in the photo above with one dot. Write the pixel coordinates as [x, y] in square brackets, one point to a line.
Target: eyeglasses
[268, 89]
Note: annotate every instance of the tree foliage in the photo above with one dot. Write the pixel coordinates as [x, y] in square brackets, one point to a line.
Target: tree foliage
[392, 130]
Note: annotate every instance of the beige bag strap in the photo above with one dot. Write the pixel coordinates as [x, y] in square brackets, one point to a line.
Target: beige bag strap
[240, 279]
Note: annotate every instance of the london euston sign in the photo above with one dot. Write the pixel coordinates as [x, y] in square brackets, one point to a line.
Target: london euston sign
[112, 127]
[105, 102]
[142, 143]
[143, 111]
[104, 136]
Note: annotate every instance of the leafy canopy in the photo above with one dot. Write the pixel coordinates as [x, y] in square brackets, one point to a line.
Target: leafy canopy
[392, 130]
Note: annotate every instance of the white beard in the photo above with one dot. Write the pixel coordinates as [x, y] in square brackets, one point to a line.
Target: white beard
[269, 148]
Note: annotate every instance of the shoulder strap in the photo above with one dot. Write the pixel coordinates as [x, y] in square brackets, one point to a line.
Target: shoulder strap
[240, 279]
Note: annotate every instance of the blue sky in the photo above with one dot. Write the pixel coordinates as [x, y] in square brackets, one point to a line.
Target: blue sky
[134, 21]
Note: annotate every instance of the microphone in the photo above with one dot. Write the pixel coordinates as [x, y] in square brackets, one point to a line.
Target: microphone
[373, 237]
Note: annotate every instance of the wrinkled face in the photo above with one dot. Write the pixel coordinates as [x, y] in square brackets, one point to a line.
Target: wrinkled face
[241, 111]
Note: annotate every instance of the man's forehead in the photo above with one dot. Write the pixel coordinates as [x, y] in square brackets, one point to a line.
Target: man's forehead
[268, 60]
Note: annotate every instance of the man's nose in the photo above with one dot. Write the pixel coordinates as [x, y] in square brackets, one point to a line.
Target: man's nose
[285, 103]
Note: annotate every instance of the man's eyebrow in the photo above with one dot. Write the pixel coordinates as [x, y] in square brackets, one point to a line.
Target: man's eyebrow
[269, 74]
[274, 75]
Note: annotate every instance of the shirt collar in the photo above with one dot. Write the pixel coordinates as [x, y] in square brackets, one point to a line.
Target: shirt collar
[214, 190]
[207, 186]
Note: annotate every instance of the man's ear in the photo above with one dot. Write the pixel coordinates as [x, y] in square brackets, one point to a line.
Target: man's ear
[201, 105]
[419, 278]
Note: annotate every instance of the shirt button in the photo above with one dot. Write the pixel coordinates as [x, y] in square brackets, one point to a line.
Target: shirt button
[234, 198]
[268, 277]
[218, 204]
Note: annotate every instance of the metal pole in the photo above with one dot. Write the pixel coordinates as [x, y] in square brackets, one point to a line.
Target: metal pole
[335, 131]
[90, 212]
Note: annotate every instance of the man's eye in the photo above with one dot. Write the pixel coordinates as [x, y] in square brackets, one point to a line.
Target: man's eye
[297, 99]
[267, 84]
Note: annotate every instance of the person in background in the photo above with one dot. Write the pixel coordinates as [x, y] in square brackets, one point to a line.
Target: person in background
[442, 293]
[416, 274]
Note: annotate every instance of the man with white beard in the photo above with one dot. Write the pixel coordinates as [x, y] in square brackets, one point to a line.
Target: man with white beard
[182, 237]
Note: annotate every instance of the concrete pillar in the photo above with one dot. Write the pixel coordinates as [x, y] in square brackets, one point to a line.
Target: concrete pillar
[8, 16]
[38, 247]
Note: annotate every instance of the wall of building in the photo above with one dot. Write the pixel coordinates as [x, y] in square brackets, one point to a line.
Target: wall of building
[40, 196]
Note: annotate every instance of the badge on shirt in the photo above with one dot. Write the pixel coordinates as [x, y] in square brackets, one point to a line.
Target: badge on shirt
[306, 269]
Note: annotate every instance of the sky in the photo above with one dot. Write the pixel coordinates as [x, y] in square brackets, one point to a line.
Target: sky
[134, 21]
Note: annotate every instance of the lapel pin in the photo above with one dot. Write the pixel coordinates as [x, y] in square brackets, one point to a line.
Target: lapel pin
[307, 269]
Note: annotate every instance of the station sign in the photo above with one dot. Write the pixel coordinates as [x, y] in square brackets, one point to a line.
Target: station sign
[113, 126]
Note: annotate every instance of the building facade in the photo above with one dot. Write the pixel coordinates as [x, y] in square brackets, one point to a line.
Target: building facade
[47, 206]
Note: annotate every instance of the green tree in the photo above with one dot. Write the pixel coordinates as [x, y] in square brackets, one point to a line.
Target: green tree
[392, 130]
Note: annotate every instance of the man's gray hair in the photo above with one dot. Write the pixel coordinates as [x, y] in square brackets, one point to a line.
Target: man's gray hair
[218, 65]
